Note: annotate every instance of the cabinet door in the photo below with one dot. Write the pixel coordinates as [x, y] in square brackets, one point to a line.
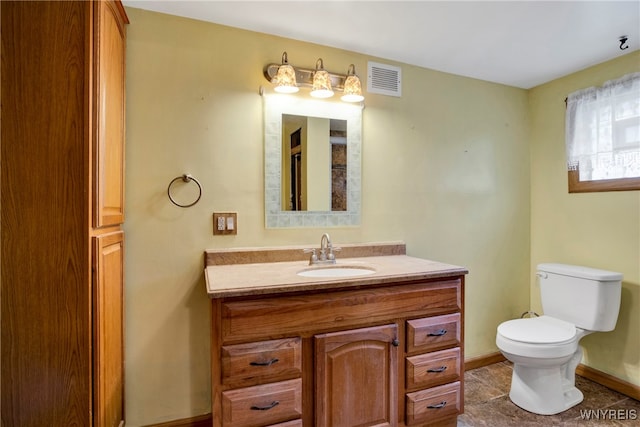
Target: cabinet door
[108, 330]
[109, 107]
[357, 377]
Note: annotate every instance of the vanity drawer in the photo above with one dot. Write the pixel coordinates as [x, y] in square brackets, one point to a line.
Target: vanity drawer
[254, 319]
[433, 404]
[433, 333]
[262, 405]
[262, 361]
[439, 367]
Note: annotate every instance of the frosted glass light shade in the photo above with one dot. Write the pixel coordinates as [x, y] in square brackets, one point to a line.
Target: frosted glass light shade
[321, 85]
[321, 82]
[285, 79]
[352, 89]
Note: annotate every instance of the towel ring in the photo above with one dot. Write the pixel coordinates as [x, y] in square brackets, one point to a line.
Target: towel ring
[186, 178]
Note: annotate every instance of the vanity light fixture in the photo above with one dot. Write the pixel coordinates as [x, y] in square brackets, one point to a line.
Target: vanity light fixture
[352, 86]
[321, 82]
[285, 79]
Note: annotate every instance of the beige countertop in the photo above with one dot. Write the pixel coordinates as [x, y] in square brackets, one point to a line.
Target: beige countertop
[246, 278]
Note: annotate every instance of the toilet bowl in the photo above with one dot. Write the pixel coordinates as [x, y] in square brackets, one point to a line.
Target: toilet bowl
[545, 350]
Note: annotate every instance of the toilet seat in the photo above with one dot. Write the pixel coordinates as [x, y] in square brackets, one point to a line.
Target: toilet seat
[542, 337]
[538, 330]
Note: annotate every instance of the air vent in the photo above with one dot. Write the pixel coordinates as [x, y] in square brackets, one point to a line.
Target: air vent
[384, 79]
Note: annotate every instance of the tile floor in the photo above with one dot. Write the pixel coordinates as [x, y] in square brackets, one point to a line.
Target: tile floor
[487, 403]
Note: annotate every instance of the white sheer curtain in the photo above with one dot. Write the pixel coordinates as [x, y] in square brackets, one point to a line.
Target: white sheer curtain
[603, 130]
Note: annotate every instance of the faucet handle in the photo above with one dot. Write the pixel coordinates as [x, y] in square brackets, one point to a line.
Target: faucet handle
[314, 257]
[332, 249]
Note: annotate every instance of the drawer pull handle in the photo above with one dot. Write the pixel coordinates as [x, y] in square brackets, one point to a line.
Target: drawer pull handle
[265, 408]
[440, 369]
[438, 406]
[438, 333]
[267, 363]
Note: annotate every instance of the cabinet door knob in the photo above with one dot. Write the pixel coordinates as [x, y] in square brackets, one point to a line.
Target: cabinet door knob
[395, 342]
[267, 363]
[438, 406]
[438, 333]
[265, 408]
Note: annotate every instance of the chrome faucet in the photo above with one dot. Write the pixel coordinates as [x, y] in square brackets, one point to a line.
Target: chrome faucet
[326, 255]
[326, 249]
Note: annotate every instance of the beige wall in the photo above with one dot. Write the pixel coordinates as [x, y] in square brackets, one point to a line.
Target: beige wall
[600, 230]
[445, 168]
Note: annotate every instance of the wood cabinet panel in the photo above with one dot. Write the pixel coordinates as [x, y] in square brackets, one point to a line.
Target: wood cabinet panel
[109, 103]
[45, 293]
[108, 330]
[51, 337]
[294, 423]
[430, 369]
[356, 377]
[433, 333]
[433, 404]
[261, 361]
[255, 319]
[263, 404]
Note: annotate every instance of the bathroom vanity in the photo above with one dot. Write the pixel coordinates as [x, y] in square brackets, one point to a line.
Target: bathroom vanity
[375, 339]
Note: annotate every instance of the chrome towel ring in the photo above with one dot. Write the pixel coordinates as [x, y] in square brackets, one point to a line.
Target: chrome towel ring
[185, 178]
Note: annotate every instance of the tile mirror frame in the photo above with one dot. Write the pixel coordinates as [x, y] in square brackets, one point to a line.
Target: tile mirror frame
[274, 106]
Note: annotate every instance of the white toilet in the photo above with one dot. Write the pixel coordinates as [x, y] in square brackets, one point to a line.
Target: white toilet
[544, 350]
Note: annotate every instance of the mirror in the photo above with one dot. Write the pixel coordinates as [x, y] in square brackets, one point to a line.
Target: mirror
[312, 162]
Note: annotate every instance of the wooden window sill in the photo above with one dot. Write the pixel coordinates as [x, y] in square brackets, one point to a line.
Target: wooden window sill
[620, 184]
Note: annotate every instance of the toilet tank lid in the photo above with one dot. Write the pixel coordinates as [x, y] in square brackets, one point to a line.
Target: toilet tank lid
[581, 272]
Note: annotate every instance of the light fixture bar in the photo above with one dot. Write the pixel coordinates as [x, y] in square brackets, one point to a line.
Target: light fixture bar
[304, 76]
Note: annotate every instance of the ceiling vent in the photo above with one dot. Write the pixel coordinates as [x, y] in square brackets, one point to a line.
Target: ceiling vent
[384, 79]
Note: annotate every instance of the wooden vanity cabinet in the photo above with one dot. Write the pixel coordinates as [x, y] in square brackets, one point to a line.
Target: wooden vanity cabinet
[384, 355]
[63, 109]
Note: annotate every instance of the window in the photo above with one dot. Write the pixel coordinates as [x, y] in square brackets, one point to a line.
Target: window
[603, 136]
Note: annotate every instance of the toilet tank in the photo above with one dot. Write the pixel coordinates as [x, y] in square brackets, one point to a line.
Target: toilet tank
[587, 297]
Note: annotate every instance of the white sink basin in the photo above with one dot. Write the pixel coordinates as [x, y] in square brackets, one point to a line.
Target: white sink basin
[336, 271]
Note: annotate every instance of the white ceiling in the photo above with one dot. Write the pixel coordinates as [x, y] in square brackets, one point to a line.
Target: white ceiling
[516, 43]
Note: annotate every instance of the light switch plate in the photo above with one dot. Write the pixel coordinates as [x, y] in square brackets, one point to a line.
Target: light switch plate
[225, 223]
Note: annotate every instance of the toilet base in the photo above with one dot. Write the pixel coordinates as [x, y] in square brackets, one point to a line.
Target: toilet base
[543, 390]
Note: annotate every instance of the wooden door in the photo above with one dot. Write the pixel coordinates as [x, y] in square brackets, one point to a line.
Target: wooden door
[109, 110]
[356, 377]
[108, 330]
